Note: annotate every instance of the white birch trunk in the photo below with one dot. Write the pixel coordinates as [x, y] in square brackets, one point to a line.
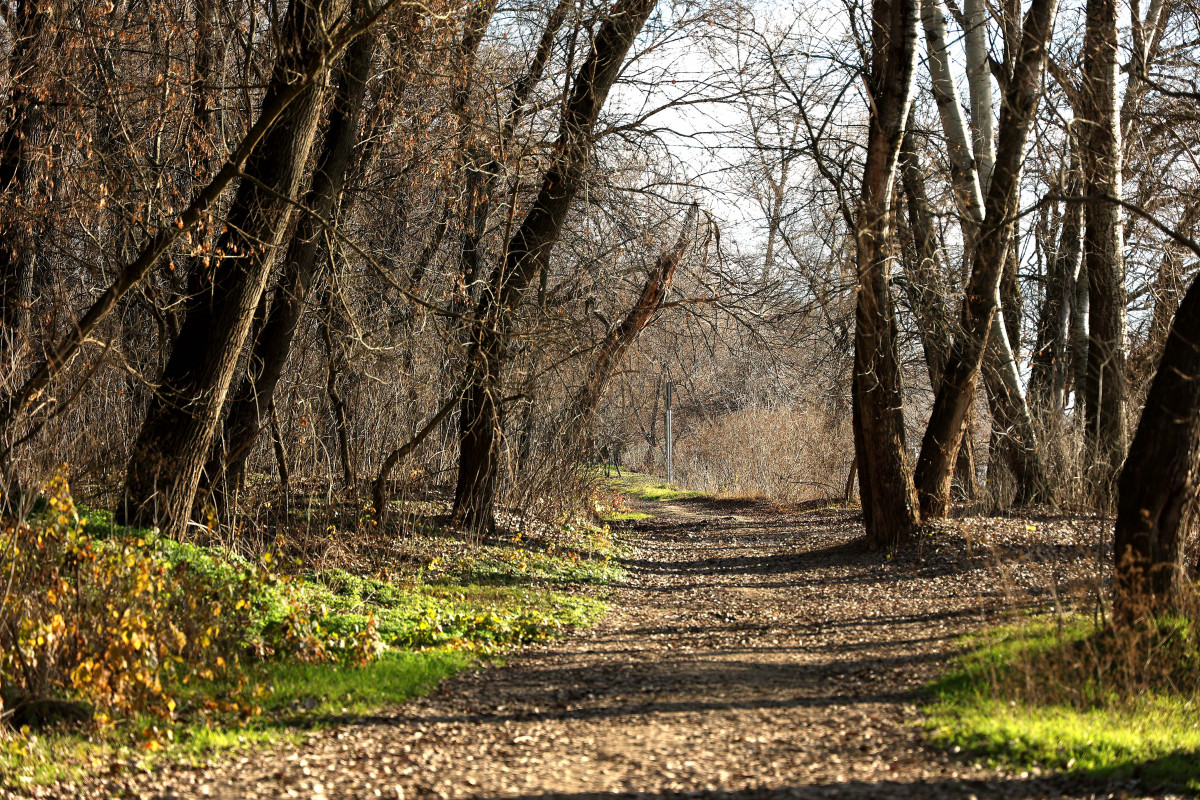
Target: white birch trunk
[979, 82]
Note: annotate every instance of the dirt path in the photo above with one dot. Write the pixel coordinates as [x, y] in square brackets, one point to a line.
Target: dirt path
[752, 654]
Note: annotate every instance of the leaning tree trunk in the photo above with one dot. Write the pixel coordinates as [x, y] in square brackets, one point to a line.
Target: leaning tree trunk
[1103, 246]
[1161, 474]
[884, 469]
[925, 286]
[528, 253]
[252, 403]
[943, 436]
[173, 444]
[621, 338]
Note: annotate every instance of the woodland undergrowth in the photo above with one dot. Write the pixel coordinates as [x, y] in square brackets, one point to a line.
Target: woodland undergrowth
[123, 646]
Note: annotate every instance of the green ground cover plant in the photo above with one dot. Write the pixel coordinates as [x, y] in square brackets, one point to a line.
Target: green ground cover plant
[1077, 696]
[122, 646]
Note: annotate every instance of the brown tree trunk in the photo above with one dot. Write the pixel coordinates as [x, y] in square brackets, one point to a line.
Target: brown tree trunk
[890, 504]
[174, 441]
[621, 338]
[926, 290]
[1103, 246]
[943, 436]
[1161, 474]
[528, 253]
[251, 404]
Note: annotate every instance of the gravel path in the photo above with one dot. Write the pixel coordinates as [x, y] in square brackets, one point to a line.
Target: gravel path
[752, 654]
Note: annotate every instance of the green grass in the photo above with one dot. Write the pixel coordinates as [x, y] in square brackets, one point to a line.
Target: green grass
[431, 615]
[627, 516]
[648, 487]
[431, 622]
[292, 697]
[990, 705]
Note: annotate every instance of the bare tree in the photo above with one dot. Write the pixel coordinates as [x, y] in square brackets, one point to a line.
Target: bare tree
[1103, 242]
[481, 414]
[885, 476]
[173, 444]
[943, 436]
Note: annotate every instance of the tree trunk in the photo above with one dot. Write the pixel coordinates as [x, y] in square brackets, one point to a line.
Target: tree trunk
[1161, 474]
[1079, 338]
[979, 85]
[890, 502]
[1051, 364]
[621, 338]
[927, 295]
[1103, 246]
[252, 402]
[943, 436]
[528, 254]
[174, 441]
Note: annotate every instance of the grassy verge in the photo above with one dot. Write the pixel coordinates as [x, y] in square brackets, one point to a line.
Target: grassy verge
[289, 697]
[1034, 696]
[648, 487]
[315, 647]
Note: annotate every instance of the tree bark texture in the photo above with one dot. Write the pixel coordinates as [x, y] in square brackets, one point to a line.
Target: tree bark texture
[528, 254]
[884, 468]
[1103, 245]
[251, 404]
[1161, 474]
[925, 286]
[943, 436]
[173, 443]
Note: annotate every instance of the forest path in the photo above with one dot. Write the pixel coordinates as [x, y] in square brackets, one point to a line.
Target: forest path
[752, 654]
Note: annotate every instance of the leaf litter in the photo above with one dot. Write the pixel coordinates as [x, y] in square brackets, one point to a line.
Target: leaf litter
[753, 651]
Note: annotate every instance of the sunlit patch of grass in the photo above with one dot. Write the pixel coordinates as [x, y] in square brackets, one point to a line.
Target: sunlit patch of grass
[997, 704]
[648, 487]
[430, 615]
[627, 516]
[292, 697]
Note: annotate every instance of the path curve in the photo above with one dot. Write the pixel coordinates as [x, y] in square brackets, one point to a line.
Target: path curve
[752, 654]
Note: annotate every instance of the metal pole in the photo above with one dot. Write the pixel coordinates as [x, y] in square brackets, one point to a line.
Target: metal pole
[670, 440]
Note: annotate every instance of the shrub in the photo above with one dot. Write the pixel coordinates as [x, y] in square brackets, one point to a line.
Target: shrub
[112, 624]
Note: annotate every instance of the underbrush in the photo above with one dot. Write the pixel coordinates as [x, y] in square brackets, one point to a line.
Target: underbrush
[122, 646]
[1075, 695]
[786, 452]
